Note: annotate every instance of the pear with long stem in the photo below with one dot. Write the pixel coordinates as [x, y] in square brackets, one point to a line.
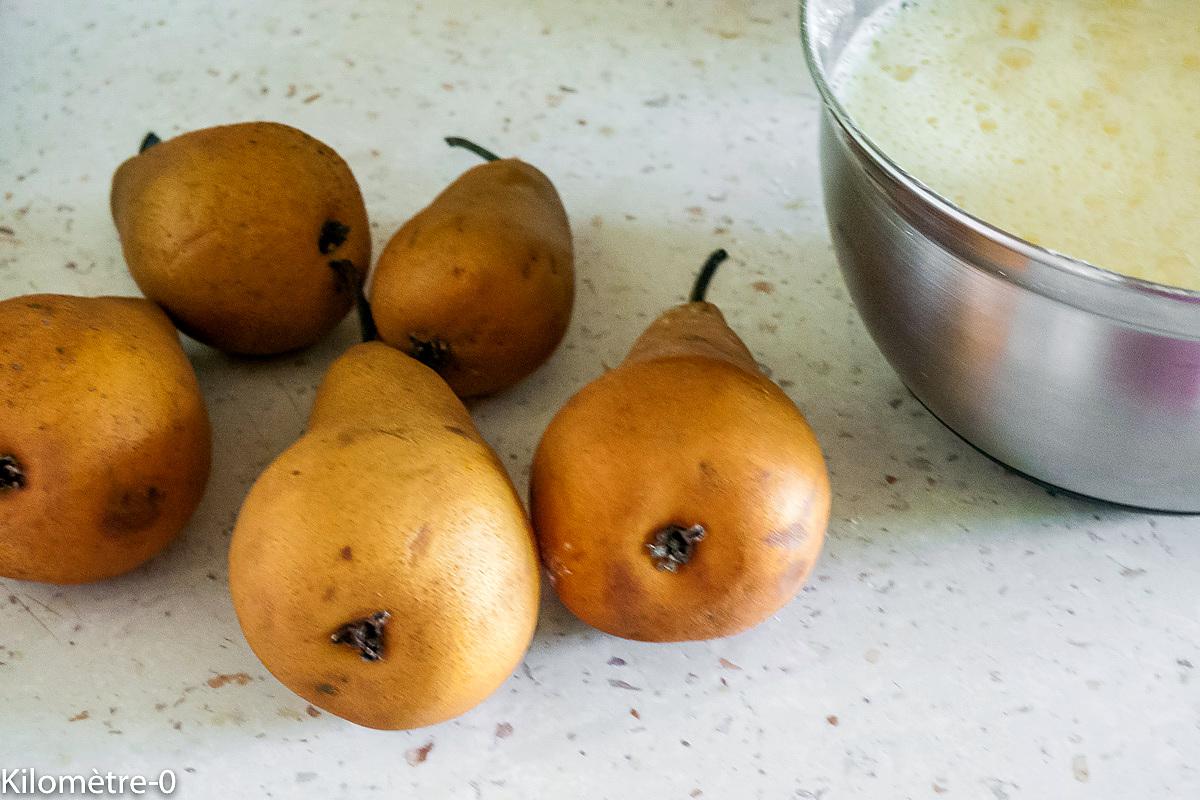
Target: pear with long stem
[681, 495]
[479, 285]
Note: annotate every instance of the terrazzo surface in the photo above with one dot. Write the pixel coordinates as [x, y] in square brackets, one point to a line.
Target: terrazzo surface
[966, 634]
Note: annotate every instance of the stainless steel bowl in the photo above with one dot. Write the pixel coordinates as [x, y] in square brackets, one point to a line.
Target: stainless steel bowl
[1074, 375]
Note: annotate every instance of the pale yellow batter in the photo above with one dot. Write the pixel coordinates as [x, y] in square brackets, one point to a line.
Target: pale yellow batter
[1074, 124]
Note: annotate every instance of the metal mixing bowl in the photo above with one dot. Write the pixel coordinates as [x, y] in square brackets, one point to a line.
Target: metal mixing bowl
[1074, 375]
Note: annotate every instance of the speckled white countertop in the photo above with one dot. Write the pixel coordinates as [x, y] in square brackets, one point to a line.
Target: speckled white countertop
[966, 634]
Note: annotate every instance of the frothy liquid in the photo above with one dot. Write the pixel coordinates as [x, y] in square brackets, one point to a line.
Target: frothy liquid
[1074, 124]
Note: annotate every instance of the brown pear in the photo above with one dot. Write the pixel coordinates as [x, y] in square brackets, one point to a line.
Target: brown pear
[383, 567]
[479, 285]
[252, 237]
[681, 495]
[104, 439]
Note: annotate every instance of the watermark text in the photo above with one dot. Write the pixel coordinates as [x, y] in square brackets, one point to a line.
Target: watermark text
[29, 782]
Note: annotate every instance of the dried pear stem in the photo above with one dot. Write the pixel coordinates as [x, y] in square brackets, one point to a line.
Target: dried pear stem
[467, 144]
[332, 236]
[364, 635]
[700, 287]
[674, 546]
[149, 141]
[433, 353]
[347, 275]
[366, 319]
[11, 474]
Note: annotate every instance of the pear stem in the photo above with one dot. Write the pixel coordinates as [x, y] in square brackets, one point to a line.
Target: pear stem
[148, 142]
[366, 320]
[348, 277]
[467, 144]
[700, 287]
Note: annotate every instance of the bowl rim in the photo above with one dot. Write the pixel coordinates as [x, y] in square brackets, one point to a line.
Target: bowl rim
[1068, 265]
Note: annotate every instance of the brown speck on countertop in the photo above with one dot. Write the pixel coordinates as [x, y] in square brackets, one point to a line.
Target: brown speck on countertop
[727, 664]
[217, 681]
[417, 755]
[80, 716]
[633, 712]
[312, 98]
[765, 287]
[503, 730]
[832, 720]
[312, 712]
[891, 479]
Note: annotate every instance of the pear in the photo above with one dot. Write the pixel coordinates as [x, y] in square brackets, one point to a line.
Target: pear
[479, 285]
[252, 237]
[105, 443]
[383, 567]
[681, 495]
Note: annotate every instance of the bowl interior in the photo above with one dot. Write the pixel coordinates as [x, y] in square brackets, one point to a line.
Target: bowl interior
[827, 26]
